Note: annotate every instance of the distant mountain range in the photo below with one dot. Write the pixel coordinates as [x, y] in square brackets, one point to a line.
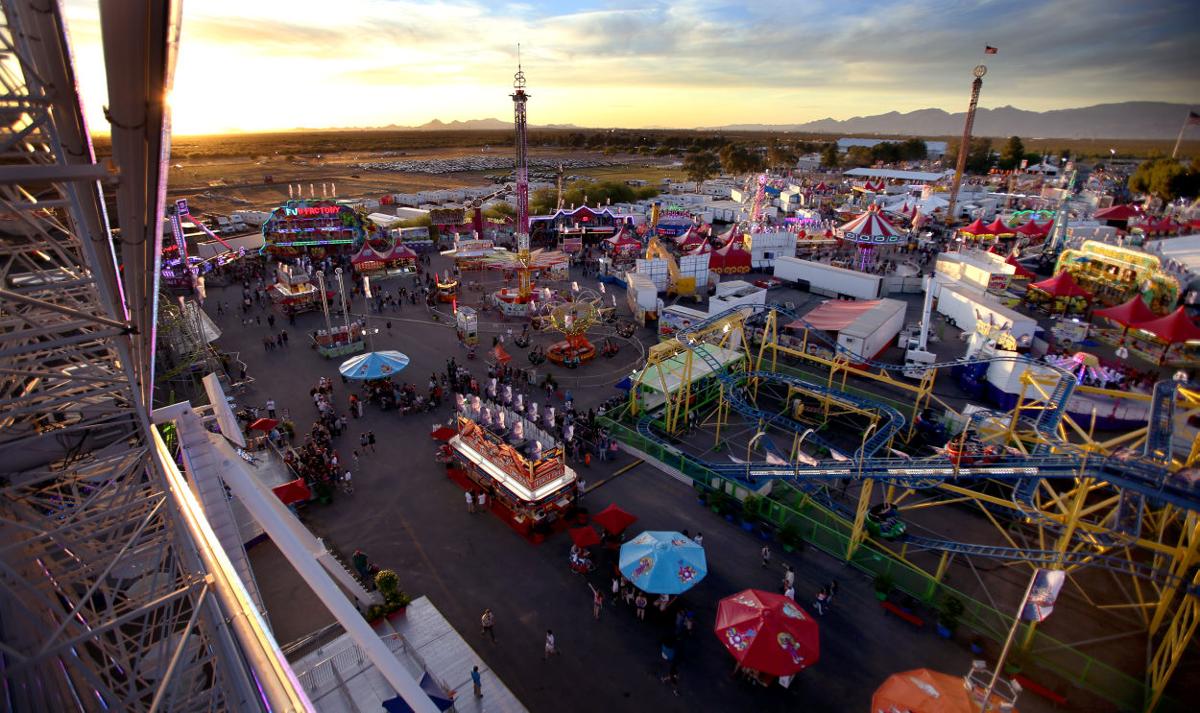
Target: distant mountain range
[1126, 120]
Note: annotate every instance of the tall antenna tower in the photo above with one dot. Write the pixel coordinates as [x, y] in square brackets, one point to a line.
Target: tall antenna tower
[964, 146]
[519, 98]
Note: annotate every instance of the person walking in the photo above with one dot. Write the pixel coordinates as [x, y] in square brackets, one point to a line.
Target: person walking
[597, 602]
[271, 408]
[822, 599]
[487, 624]
[362, 442]
[357, 460]
[371, 440]
[789, 576]
[470, 501]
[477, 682]
[481, 501]
[640, 602]
[766, 556]
[699, 538]
[790, 593]
[348, 482]
[551, 648]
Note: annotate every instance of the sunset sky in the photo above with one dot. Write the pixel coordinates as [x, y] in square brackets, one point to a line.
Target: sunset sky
[255, 65]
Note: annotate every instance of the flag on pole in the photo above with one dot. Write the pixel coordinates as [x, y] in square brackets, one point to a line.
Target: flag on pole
[1046, 586]
[988, 49]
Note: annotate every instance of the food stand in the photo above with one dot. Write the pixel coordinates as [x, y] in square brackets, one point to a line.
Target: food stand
[521, 467]
[467, 323]
[1114, 274]
[293, 292]
[339, 341]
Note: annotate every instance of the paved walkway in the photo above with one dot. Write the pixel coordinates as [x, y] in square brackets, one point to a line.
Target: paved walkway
[406, 515]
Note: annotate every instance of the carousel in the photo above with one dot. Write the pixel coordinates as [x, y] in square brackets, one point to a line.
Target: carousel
[869, 232]
[293, 292]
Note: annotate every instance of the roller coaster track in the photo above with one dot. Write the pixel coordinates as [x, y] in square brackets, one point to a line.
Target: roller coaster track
[1138, 478]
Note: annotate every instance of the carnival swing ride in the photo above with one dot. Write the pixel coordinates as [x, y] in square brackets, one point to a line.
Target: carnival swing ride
[572, 318]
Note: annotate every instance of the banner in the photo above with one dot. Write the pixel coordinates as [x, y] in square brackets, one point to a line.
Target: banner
[1046, 586]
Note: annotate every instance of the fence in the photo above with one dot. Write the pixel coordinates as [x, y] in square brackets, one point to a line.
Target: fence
[831, 534]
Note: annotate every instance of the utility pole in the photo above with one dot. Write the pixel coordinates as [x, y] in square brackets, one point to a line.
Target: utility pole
[965, 147]
[559, 205]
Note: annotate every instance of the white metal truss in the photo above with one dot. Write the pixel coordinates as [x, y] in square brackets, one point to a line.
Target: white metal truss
[112, 597]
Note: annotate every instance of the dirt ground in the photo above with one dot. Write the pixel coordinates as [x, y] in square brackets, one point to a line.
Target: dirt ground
[227, 184]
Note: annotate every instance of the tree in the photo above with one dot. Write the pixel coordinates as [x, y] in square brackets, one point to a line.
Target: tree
[914, 150]
[543, 201]
[500, 209]
[701, 166]
[979, 159]
[780, 156]
[1166, 178]
[1013, 154]
[829, 156]
[859, 156]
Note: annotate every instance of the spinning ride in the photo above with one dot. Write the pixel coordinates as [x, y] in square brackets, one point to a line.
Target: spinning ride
[573, 319]
[516, 303]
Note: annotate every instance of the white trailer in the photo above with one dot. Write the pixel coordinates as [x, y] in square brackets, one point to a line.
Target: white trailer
[675, 317]
[766, 248]
[966, 308]
[823, 279]
[872, 332]
[642, 296]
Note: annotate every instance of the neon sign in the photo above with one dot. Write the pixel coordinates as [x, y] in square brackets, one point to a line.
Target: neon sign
[314, 210]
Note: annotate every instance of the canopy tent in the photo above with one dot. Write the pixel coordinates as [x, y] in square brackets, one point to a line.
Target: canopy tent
[731, 259]
[833, 315]
[1062, 286]
[1020, 270]
[614, 520]
[374, 365]
[871, 228]
[692, 240]
[768, 632]
[1119, 213]
[623, 243]
[999, 228]
[1030, 229]
[1128, 314]
[975, 229]
[1046, 227]
[1174, 328]
[663, 562]
[402, 252]
[368, 255]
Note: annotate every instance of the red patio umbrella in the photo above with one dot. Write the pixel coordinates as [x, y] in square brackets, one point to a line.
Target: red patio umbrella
[584, 536]
[264, 424]
[768, 632]
[295, 491]
[614, 520]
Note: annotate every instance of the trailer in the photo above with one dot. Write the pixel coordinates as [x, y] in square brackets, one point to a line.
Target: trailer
[872, 332]
[822, 279]
[676, 317]
[969, 309]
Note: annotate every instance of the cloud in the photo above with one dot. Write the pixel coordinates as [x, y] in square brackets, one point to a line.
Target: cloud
[687, 63]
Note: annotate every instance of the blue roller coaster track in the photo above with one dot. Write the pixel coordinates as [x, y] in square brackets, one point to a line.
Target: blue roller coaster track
[1140, 477]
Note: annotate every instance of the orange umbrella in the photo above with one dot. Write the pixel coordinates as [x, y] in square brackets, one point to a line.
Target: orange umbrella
[924, 691]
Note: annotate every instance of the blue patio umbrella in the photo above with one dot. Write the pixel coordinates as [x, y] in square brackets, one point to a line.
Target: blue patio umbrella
[374, 365]
[663, 562]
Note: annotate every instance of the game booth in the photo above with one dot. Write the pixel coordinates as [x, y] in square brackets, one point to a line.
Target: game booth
[293, 291]
[340, 340]
[500, 451]
[317, 226]
[1114, 274]
[396, 260]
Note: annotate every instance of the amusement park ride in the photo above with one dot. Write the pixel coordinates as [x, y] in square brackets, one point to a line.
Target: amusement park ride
[1067, 500]
[573, 318]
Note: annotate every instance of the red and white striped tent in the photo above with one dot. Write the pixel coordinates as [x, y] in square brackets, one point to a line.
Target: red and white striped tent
[871, 228]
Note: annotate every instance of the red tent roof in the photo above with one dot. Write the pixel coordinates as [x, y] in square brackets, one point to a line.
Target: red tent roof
[1118, 212]
[1021, 270]
[692, 239]
[367, 254]
[1173, 328]
[999, 227]
[1030, 230]
[584, 536]
[1128, 314]
[871, 227]
[977, 228]
[403, 252]
[1046, 227]
[624, 242]
[1061, 285]
[730, 259]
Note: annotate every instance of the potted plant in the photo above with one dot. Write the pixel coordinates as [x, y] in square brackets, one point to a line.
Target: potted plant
[883, 586]
[950, 609]
[716, 502]
[388, 583]
[750, 508]
[789, 536]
